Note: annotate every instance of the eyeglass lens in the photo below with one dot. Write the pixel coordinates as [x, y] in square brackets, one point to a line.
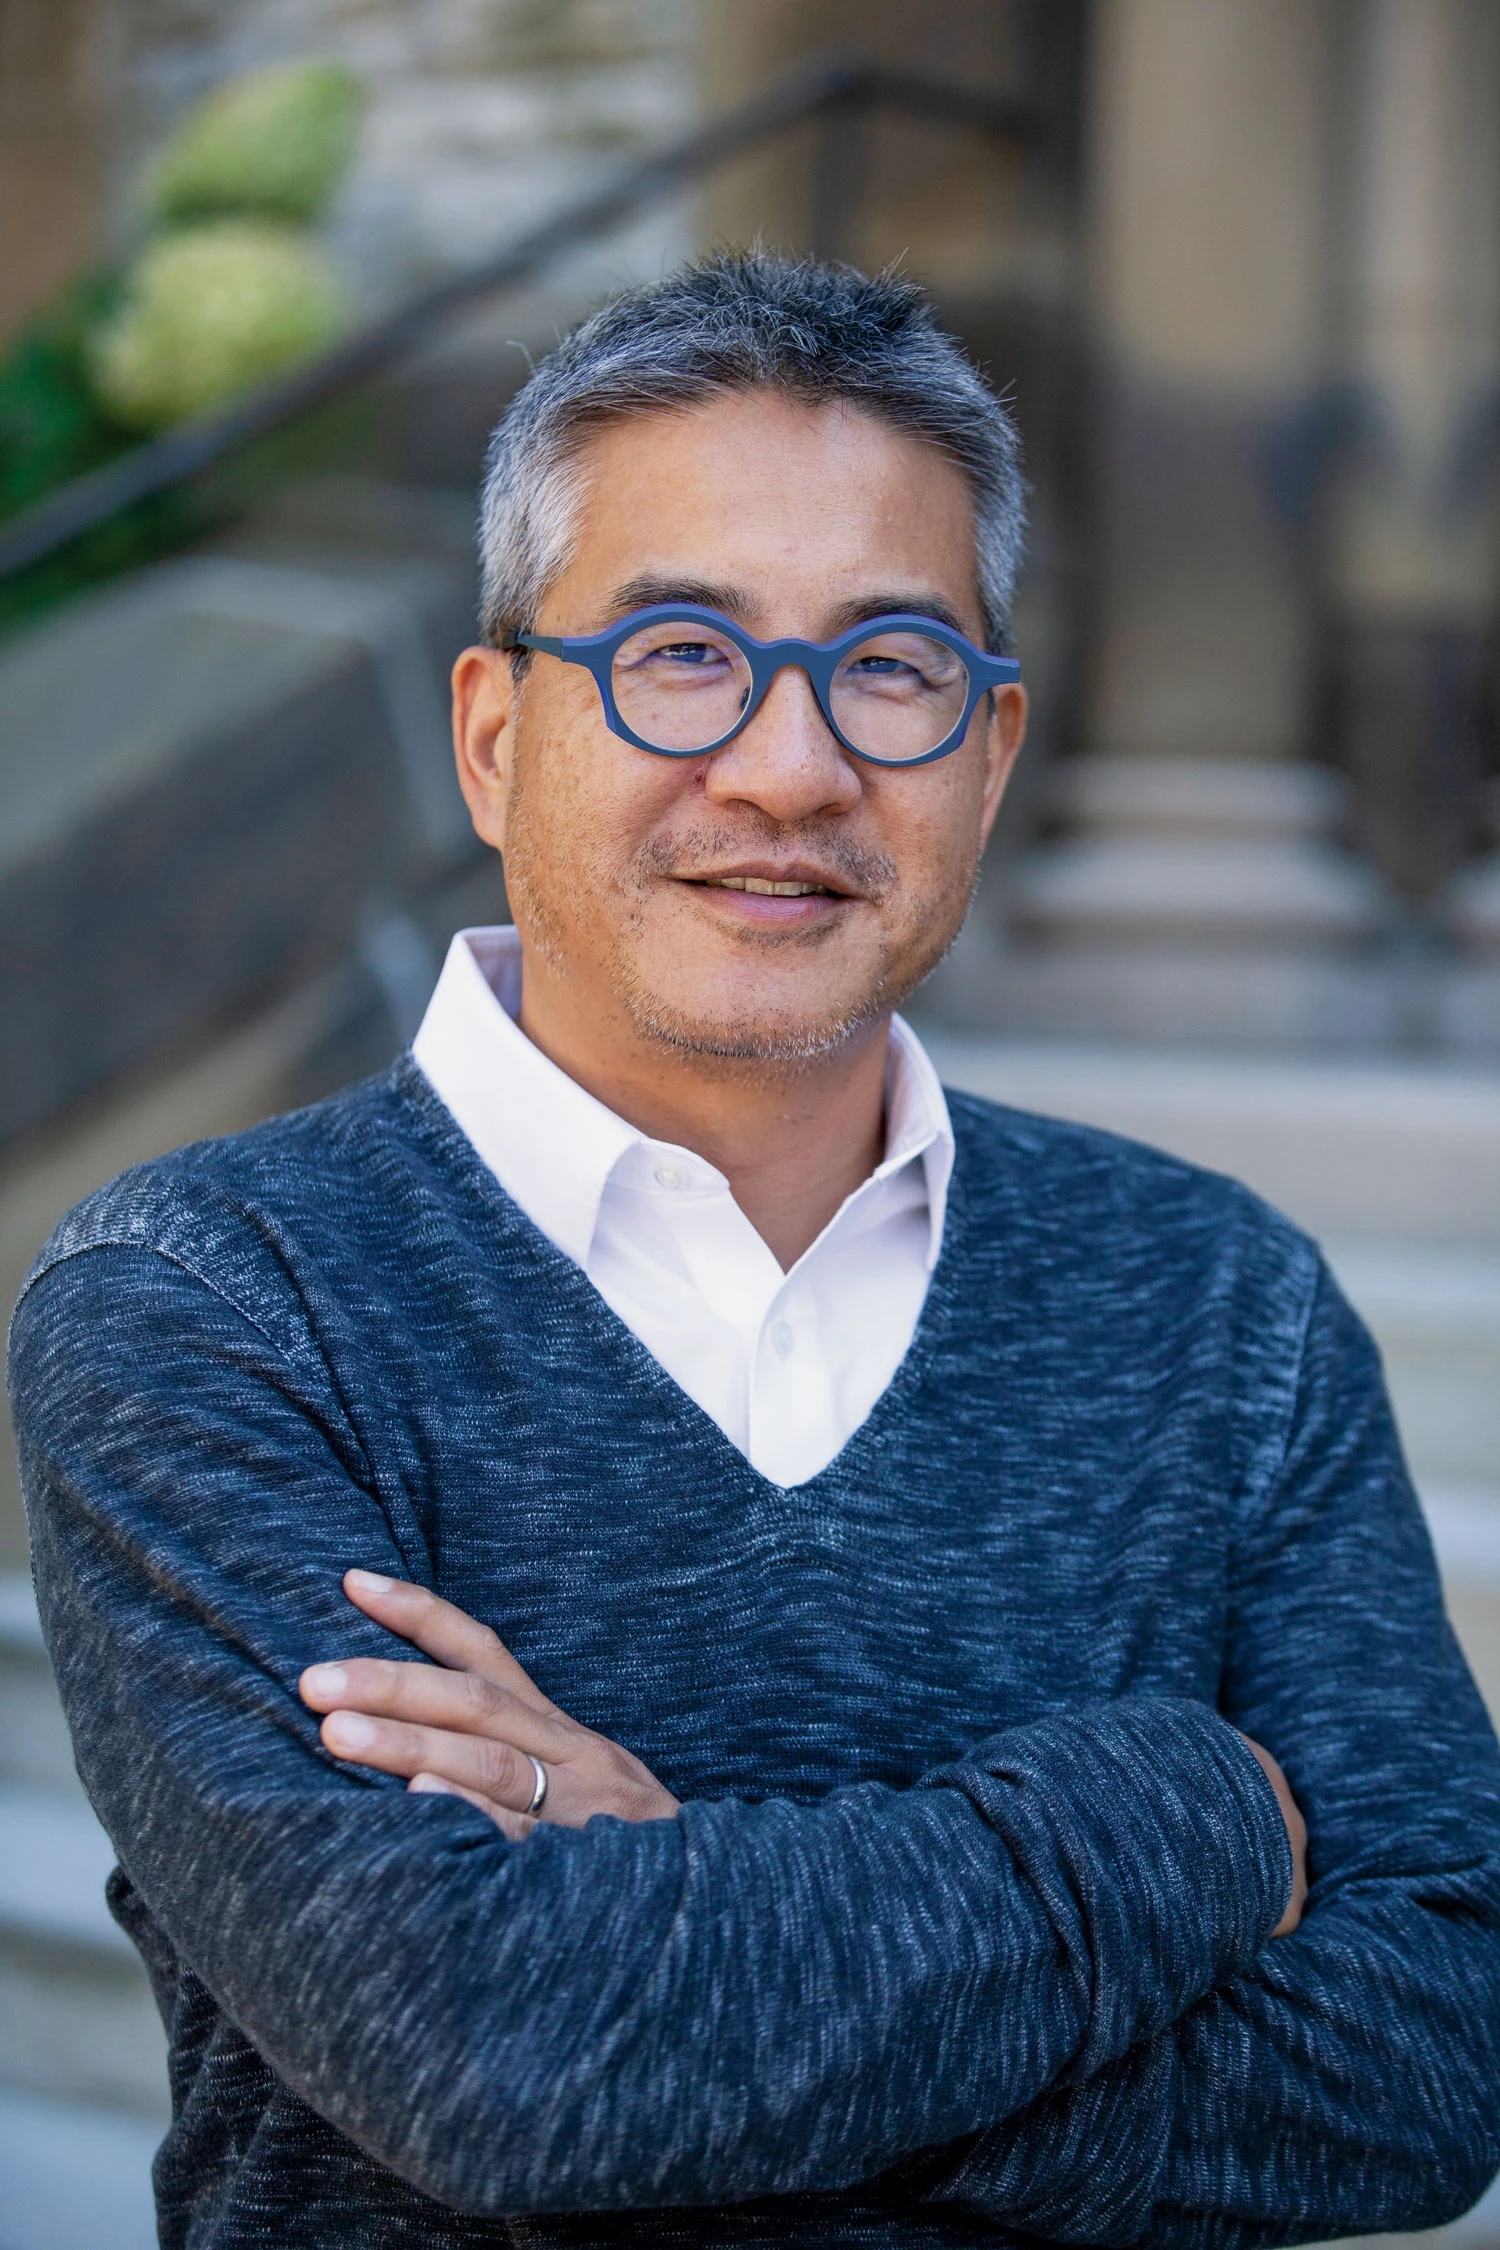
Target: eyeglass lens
[682, 687]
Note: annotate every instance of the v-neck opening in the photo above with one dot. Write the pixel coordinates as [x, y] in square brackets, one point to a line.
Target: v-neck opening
[410, 1084]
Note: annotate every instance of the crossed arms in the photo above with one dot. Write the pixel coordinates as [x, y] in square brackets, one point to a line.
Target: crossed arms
[474, 1724]
[1038, 1982]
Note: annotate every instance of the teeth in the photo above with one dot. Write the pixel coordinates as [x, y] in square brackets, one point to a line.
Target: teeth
[766, 890]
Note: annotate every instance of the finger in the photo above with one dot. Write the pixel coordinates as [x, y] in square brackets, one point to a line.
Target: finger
[1296, 1832]
[425, 1695]
[440, 1630]
[516, 1825]
[496, 1770]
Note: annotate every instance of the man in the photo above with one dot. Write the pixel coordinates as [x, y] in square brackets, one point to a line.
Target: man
[873, 1550]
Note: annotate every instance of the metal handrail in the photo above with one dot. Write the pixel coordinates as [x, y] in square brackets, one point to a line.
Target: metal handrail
[825, 88]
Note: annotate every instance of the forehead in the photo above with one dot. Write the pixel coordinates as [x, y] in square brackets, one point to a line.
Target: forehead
[763, 488]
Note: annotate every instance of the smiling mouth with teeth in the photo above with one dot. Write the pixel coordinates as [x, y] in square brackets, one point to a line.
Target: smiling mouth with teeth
[767, 890]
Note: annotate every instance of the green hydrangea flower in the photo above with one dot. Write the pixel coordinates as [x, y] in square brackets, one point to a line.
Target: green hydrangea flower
[209, 312]
[275, 141]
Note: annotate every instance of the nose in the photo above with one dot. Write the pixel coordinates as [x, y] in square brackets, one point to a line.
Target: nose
[787, 762]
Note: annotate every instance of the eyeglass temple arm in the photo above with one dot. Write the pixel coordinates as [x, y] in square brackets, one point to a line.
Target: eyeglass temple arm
[511, 637]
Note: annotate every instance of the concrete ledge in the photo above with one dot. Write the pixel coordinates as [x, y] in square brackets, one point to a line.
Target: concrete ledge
[75, 2178]
[20, 1627]
[1381, 1151]
[80, 2025]
[209, 776]
[54, 1861]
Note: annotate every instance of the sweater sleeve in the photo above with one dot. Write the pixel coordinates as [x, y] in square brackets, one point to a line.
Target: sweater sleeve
[745, 2000]
[1348, 2080]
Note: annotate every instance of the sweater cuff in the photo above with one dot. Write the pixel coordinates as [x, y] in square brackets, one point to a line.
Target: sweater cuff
[1155, 1842]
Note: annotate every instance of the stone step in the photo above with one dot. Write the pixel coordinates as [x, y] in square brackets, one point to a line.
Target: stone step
[1435, 1314]
[54, 1860]
[35, 1753]
[75, 2178]
[77, 2020]
[1376, 1151]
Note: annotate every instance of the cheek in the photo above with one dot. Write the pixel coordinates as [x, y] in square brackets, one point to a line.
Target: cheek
[931, 828]
[581, 798]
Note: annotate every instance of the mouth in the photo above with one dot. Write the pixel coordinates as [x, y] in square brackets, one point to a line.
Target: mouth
[763, 888]
[770, 897]
[798, 878]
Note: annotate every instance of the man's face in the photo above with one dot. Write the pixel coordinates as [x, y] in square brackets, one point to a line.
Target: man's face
[795, 521]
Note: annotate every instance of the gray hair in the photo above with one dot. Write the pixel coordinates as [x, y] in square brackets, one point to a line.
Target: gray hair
[736, 321]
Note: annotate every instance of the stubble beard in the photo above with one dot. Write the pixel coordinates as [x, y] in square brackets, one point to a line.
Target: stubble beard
[779, 1039]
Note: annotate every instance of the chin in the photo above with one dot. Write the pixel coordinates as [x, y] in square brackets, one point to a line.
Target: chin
[753, 1030]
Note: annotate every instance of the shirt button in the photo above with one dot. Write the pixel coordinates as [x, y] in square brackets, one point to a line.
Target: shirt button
[668, 1176]
[782, 1339]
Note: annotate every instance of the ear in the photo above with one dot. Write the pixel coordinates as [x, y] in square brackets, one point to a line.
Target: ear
[1002, 743]
[484, 734]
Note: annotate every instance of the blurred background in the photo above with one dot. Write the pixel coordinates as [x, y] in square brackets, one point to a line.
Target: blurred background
[269, 269]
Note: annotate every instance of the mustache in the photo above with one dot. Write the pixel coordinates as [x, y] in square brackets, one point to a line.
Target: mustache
[870, 874]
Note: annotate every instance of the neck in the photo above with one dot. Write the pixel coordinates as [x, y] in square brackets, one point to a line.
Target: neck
[792, 1139]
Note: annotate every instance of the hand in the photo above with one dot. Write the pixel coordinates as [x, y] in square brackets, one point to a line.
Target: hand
[470, 1723]
[1296, 1836]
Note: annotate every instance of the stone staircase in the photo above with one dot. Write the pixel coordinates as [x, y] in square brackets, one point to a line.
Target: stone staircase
[83, 2087]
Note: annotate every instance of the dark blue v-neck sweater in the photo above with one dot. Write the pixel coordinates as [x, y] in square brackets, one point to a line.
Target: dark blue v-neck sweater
[961, 1936]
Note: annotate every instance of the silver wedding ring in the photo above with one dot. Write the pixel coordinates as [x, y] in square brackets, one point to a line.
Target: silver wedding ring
[539, 1794]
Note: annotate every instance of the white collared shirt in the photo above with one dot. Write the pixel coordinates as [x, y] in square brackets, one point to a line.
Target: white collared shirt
[788, 1364]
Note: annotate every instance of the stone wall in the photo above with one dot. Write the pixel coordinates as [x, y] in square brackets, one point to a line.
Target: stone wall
[484, 114]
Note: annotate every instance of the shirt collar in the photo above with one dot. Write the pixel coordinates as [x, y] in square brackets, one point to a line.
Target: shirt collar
[553, 1148]
[917, 1125]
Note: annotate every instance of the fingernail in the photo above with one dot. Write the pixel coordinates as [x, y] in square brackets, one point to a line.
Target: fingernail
[429, 1785]
[369, 1581]
[351, 1729]
[325, 1679]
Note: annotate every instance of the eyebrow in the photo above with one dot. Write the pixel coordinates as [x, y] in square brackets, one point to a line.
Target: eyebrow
[901, 603]
[650, 590]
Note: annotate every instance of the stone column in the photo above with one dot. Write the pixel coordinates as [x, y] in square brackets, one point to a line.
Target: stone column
[1201, 893]
[1412, 549]
[55, 77]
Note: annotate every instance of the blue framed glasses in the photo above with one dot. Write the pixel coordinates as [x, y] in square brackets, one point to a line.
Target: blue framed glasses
[679, 681]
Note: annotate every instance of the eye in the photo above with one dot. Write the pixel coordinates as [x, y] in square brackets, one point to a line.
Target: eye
[678, 656]
[898, 658]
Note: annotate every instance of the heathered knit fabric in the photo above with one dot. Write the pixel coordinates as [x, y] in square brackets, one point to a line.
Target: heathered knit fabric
[961, 1936]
